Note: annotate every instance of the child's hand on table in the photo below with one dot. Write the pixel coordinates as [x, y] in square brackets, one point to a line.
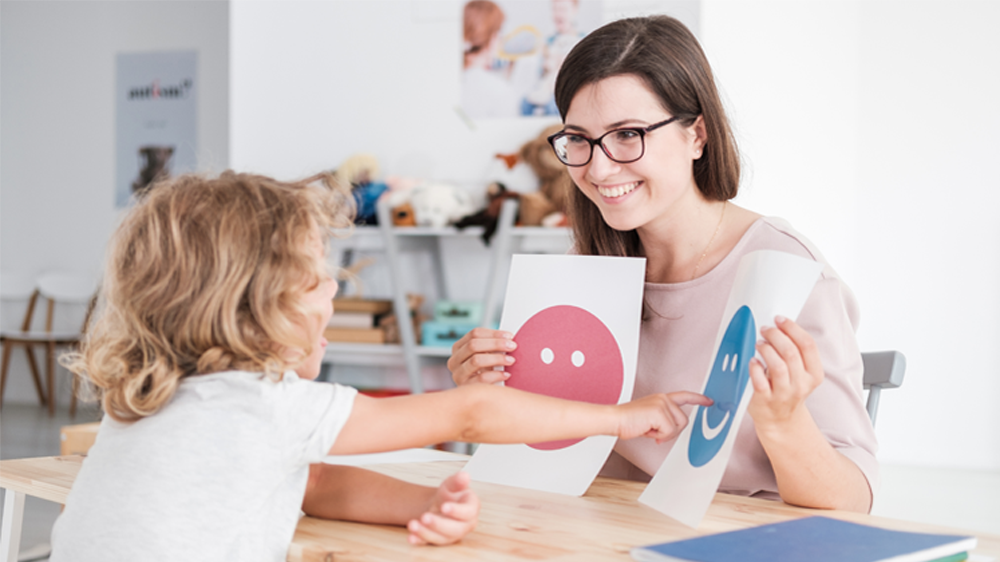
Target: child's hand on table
[452, 514]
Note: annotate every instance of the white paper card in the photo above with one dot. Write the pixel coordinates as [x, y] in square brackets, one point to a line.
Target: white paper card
[576, 322]
[768, 283]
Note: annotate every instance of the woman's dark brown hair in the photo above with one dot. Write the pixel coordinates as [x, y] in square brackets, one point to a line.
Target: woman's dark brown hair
[665, 55]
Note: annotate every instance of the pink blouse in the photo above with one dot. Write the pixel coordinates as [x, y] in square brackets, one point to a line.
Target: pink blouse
[675, 348]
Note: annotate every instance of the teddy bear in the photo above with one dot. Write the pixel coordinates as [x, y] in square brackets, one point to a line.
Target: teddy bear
[554, 184]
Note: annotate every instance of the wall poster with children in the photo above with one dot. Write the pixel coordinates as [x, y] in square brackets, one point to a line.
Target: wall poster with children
[155, 119]
[512, 50]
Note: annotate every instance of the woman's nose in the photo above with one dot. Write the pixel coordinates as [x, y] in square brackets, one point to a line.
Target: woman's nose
[600, 165]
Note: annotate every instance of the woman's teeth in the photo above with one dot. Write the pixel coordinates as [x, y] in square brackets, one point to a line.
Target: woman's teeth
[618, 190]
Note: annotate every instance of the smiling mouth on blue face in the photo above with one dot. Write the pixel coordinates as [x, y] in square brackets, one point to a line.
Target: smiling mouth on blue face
[726, 383]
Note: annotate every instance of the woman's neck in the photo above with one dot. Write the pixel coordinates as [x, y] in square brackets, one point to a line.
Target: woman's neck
[692, 240]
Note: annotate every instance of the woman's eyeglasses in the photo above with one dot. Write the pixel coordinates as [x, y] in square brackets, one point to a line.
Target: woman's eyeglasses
[620, 145]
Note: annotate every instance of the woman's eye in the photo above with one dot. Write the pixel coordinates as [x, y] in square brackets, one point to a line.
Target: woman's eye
[575, 139]
[625, 135]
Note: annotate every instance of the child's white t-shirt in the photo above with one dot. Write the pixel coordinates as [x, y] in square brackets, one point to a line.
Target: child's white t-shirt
[218, 474]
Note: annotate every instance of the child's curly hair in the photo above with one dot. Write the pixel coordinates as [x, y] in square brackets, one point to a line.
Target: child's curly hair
[206, 275]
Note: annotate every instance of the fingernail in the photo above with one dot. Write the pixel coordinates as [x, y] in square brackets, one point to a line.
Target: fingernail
[780, 319]
[509, 359]
[510, 344]
[507, 335]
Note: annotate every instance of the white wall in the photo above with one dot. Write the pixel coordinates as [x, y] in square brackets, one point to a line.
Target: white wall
[58, 121]
[857, 118]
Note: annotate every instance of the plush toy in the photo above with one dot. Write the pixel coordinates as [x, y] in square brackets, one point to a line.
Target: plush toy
[434, 204]
[496, 194]
[554, 181]
[360, 172]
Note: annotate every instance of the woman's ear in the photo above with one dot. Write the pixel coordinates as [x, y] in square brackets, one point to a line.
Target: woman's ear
[698, 135]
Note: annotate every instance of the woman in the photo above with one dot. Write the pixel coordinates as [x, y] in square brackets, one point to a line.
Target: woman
[649, 147]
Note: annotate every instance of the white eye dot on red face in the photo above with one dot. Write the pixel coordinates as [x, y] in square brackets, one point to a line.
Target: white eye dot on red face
[577, 358]
[548, 356]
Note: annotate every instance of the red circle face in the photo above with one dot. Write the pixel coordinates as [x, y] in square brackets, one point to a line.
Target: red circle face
[566, 352]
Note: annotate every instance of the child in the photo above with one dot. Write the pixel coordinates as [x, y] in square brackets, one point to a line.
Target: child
[216, 297]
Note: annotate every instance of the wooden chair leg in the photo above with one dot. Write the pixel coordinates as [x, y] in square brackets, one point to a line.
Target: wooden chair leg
[50, 375]
[3, 370]
[72, 400]
[33, 367]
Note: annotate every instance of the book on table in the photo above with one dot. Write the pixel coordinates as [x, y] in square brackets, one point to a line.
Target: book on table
[815, 539]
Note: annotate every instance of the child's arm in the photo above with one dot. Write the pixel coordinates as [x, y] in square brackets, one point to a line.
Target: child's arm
[439, 516]
[491, 414]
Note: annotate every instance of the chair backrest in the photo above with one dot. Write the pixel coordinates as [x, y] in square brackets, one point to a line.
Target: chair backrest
[66, 288]
[15, 287]
[883, 369]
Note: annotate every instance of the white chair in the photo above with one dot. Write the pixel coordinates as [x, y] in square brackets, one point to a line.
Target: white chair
[883, 369]
[18, 288]
[62, 288]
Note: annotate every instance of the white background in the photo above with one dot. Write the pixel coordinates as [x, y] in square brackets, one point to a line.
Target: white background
[872, 125]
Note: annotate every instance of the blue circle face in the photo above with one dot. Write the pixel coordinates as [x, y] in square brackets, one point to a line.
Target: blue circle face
[726, 383]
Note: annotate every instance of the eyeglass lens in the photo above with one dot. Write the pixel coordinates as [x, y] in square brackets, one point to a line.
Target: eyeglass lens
[622, 146]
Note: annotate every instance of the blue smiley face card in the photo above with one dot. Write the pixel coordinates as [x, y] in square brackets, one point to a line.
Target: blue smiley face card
[767, 284]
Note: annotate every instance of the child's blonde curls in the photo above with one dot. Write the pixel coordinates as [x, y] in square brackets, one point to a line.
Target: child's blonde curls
[203, 276]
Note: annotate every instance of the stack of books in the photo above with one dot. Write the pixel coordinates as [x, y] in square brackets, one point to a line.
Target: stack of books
[356, 320]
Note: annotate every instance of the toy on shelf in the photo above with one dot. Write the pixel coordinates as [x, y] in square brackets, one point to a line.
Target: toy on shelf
[554, 183]
[360, 172]
[545, 207]
[433, 204]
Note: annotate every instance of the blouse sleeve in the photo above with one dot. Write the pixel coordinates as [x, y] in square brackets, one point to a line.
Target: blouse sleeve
[830, 315]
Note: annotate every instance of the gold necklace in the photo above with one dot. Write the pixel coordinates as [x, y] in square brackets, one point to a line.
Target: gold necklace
[710, 240]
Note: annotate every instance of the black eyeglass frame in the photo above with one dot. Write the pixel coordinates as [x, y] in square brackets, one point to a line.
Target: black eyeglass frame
[599, 141]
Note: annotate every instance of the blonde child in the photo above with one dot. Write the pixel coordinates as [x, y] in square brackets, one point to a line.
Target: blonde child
[215, 298]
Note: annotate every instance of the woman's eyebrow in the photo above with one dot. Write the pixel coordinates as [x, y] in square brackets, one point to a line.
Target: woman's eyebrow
[610, 127]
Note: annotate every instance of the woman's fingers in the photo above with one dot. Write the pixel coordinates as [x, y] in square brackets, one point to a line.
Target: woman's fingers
[477, 353]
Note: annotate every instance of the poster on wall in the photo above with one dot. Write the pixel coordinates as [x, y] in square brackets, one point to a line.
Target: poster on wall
[512, 50]
[156, 119]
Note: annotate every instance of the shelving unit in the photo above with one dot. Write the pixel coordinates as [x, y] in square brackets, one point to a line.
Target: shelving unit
[395, 242]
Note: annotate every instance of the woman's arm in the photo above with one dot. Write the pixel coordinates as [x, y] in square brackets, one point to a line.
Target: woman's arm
[809, 471]
[480, 413]
[439, 516]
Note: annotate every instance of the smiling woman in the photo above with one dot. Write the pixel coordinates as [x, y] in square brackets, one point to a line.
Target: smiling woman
[642, 91]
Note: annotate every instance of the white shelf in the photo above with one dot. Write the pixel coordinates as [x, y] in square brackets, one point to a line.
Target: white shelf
[396, 240]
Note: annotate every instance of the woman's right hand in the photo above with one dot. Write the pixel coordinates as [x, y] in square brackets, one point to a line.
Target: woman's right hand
[657, 416]
[474, 357]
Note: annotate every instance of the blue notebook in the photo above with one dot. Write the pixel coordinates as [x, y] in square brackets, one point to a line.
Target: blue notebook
[812, 539]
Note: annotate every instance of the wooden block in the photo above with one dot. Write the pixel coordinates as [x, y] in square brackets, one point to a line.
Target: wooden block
[77, 439]
[355, 335]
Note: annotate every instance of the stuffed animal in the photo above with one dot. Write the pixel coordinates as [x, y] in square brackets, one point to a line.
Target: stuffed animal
[360, 172]
[434, 205]
[496, 194]
[554, 181]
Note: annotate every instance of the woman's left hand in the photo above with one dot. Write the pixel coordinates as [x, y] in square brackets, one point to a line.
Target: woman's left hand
[793, 371]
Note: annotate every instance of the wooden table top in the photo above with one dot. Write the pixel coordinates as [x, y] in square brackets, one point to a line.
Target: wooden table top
[514, 524]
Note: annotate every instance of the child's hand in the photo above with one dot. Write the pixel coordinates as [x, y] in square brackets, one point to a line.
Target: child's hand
[657, 416]
[453, 512]
[794, 370]
[474, 356]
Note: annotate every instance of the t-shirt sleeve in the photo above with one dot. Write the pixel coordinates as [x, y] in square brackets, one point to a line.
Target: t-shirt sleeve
[830, 315]
[317, 412]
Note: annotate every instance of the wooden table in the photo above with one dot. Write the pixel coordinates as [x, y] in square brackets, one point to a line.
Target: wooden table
[514, 524]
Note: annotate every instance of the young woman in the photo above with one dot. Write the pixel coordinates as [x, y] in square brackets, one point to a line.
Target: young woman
[649, 147]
